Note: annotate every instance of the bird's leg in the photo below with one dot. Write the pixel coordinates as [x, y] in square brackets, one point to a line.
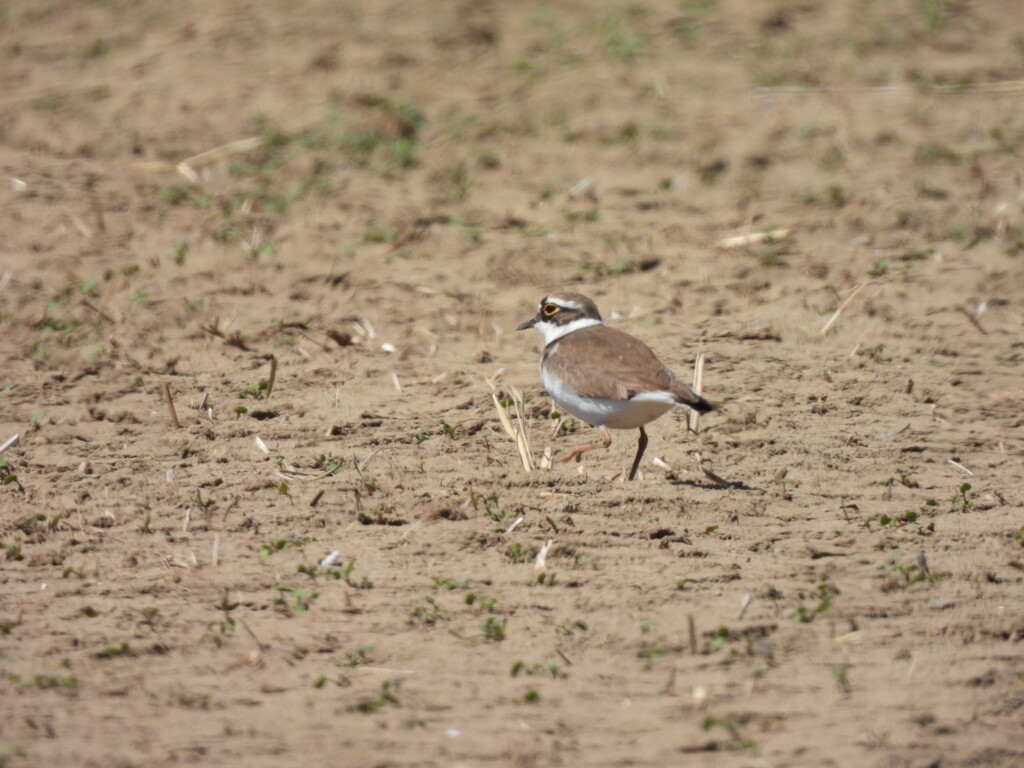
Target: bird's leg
[640, 448]
[576, 453]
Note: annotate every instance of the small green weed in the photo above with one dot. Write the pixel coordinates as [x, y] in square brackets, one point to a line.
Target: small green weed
[719, 639]
[879, 268]
[386, 697]
[900, 575]
[327, 463]
[442, 583]
[360, 655]
[113, 651]
[517, 553]
[46, 682]
[959, 499]
[730, 723]
[824, 593]
[256, 391]
[346, 574]
[429, 614]
[493, 629]
[276, 546]
[841, 674]
[8, 475]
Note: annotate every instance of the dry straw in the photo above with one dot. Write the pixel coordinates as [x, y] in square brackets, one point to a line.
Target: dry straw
[273, 376]
[753, 238]
[698, 387]
[166, 389]
[846, 302]
[518, 430]
[10, 442]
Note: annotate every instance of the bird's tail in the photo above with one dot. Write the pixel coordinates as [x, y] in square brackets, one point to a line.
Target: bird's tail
[686, 396]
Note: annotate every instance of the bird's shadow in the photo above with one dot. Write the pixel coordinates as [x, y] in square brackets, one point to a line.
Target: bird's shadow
[708, 485]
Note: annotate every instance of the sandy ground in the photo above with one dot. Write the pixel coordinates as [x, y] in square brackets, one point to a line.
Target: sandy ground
[371, 196]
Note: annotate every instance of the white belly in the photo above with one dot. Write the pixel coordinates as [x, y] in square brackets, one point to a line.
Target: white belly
[608, 412]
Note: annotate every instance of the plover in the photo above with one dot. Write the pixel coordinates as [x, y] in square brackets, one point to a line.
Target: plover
[603, 376]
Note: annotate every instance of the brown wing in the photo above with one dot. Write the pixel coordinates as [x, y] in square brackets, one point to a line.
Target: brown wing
[609, 363]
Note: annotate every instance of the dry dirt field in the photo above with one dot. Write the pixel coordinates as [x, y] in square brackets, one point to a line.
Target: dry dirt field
[368, 198]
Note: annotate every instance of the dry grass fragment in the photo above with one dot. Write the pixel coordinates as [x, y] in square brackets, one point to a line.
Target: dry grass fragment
[753, 238]
[190, 166]
[231, 505]
[835, 315]
[698, 387]
[584, 188]
[547, 458]
[961, 467]
[366, 462]
[744, 605]
[974, 317]
[518, 430]
[10, 442]
[166, 389]
[273, 376]
[518, 521]
[99, 311]
[232, 339]
[540, 563]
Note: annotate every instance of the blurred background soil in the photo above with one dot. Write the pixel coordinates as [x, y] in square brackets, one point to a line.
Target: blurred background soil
[369, 197]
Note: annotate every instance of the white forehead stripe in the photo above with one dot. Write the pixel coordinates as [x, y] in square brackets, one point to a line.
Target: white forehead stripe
[565, 303]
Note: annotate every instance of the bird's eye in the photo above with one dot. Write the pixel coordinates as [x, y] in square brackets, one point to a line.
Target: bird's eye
[550, 309]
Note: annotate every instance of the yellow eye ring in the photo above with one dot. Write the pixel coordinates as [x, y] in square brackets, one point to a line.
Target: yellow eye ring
[550, 309]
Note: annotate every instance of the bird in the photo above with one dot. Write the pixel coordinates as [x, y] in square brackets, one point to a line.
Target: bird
[603, 376]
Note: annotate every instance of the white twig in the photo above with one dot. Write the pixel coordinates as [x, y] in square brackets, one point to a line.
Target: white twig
[515, 525]
[331, 559]
[546, 458]
[961, 467]
[583, 188]
[738, 241]
[542, 556]
[10, 443]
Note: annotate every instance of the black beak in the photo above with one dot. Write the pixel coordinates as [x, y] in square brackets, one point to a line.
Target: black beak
[528, 324]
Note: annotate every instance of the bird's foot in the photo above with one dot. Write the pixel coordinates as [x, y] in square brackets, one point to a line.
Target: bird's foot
[577, 453]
